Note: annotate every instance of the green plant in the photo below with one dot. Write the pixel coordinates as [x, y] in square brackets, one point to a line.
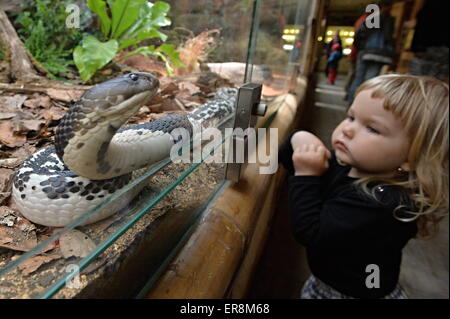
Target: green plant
[42, 28]
[124, 25]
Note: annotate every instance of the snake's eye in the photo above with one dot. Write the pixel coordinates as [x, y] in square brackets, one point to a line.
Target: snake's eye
[134, 76]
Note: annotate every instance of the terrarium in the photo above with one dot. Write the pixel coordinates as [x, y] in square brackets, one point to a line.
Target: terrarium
[197, 49]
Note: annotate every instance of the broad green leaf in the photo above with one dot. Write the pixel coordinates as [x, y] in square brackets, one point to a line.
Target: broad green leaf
[124, 15]
[142, 35]
[168, 66]
[151, 17]
[158, 14]
[172, 53]
[160, 55]
[92, 55]
[141, 50]
[163, 51]
[99, 7]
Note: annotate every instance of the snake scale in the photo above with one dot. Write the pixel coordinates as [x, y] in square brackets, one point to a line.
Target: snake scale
[94, 156]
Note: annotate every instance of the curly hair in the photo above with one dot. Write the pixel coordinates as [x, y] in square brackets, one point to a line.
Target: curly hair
[422, 105]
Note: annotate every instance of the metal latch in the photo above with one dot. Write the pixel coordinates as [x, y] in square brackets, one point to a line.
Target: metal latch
[248, 108]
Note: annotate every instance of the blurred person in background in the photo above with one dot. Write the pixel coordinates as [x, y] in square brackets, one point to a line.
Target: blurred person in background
[430, 42]
[375, 47]
[333, 62]
[328, 49]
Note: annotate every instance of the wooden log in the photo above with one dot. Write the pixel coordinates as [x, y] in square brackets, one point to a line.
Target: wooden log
[20, 64]
[206, 265]
[240, 285]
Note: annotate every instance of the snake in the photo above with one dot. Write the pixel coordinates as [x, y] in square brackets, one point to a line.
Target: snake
[95, 154]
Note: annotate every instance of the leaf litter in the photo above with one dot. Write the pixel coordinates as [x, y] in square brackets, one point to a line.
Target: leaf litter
[27, 124]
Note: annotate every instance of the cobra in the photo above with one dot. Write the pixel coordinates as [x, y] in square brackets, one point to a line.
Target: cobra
[94, 157]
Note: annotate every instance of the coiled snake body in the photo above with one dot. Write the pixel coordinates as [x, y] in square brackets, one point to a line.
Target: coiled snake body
[93, 157]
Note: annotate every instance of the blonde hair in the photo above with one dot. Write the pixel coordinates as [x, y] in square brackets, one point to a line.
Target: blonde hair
[422, 105]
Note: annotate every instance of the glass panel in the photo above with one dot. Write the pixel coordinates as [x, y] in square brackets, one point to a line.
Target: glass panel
[279, 39]
[213, 35]
[171, 189]
[210, 36]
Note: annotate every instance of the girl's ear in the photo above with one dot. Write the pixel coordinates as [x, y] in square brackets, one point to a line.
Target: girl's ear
[405, 167]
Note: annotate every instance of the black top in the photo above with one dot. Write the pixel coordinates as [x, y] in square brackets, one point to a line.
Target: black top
[344, 230]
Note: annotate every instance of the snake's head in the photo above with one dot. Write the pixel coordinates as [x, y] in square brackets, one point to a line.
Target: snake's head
[121, 96]
[106, 105]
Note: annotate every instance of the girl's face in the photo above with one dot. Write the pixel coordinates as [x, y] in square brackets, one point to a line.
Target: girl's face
[371, 139]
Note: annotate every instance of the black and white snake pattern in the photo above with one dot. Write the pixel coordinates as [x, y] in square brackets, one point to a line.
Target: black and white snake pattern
[94, 156]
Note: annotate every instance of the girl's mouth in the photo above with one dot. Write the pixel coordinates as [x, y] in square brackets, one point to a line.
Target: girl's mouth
[340, 145]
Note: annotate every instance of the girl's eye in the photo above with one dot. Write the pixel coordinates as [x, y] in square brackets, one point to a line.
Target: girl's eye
[372, 130]
[350, 118]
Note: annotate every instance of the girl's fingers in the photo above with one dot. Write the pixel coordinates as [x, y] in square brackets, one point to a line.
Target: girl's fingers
[324, 152]
[314, 148]
[305, 147]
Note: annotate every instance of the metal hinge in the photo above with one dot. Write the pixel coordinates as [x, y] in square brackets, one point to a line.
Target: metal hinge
[248, 108]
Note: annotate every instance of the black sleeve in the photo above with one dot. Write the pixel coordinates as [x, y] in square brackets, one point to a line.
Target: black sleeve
[285, 155]
[305, 205]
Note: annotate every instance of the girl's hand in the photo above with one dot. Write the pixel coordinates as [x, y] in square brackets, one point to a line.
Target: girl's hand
[310, 159]
[310, 155]
[303, 137]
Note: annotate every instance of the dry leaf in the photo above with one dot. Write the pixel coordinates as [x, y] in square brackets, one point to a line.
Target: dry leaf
[5, 179]
[143, 63]
[4, 236]
[18, 156]
[169, 88]
[4, 195]
[50, 246]
[7, 216]
[65, 95]
[21, 154]
[54, 113]
[25, 225]
[8, 137]
[39, 100]
[7, 115]
[76, 243]
[192, 104]
[168, 105]
[32, 264]
[196, 49]
[17, 238]
[10, 162]
[20, 241]
[11, 103]
[24, 126]
[190, 87]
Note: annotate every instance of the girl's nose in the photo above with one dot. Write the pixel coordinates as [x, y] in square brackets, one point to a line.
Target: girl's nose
[348, 130]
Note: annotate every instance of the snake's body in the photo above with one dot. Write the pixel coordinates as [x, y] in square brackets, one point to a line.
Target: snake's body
[93, 157]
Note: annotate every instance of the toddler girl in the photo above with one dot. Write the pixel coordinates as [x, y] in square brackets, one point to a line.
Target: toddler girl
[354, 209]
